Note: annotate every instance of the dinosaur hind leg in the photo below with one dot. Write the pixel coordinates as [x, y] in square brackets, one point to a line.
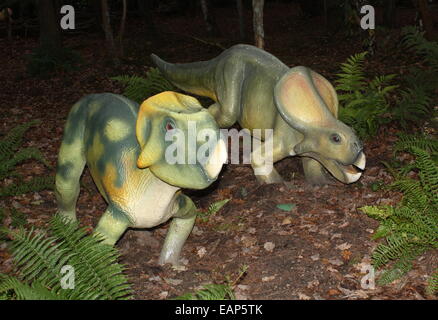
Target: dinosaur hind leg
[71, 162]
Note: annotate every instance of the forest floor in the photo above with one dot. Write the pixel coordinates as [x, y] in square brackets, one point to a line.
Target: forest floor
[318, 250]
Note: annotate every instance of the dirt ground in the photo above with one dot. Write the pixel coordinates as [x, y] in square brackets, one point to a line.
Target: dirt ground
[315, 251]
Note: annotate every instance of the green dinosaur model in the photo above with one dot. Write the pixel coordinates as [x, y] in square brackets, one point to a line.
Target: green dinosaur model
[255, 89]
[124, 146]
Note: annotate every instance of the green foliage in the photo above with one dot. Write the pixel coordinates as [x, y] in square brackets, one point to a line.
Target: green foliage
[414, 39]
[363, 103]
[411, 228]
[139, 88]
[210, 292]
[433, 283]
[216, 291]
[40, 257]
[18, 218]
[212, 209]
[41, 62]
[367, 104]
[416, 100]
[414, 105]
[11, 154]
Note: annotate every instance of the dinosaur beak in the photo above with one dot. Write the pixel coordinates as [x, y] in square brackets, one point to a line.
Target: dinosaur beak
[216, 160]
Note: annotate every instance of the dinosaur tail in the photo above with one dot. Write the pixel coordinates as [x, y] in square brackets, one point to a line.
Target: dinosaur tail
[195, 77]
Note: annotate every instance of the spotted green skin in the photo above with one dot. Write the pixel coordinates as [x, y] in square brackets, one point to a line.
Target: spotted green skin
[242, 82]
[101, 133]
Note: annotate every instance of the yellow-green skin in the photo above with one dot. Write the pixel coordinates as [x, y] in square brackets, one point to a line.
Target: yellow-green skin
[258, 91]
[123, 146]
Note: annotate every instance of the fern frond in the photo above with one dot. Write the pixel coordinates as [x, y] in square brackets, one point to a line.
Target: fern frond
[23, 291]
[210, 292]
[10, 143]
[212, 209]
[97, 263]
[411, 228]
[139, 88]
[432, 286]
[352, 77]
[414, 39]
[39, 259]
[407, 141]
[34, 185]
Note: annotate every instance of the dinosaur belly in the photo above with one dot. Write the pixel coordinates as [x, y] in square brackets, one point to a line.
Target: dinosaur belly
[147, 200]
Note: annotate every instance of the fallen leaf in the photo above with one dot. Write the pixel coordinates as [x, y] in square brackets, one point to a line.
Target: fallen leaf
[269, 246]
[286, 206]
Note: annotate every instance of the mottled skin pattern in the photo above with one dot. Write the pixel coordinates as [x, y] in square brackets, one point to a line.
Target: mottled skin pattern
[123, 145]
[255, 89]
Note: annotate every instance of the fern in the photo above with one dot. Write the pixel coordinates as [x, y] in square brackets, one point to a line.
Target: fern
[411, 228]
[364, 102]
[212, 209]
[210, 292]
[139, 89]
[408, 141]
[11, 155]
[433, 283]
[34, 184]
[414, 40]
[415, 103]
[216, 291]
[39, 259]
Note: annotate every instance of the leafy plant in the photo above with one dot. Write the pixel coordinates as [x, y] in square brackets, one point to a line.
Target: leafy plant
[212, 209]
[42, 62]
[414, 39]
[216, 291]
[363, 103]
[139, 88]
[411, 228]
[40, 258]
[416, 100]
[11, 155]
[210, 292]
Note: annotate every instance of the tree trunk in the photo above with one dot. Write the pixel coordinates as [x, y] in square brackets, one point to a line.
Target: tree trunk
[121, 30]
[8, 19]
[97, 11]
[209, 19]
[426, 18]
[259, 35]
[241, 19]
[109, 38]
[389, 13]
[50, 36]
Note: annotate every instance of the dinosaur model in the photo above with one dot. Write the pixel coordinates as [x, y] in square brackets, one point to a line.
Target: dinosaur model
[124, 147]
[255, 89]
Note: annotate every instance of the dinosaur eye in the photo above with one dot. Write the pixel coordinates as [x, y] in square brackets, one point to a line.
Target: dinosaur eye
[169, 126]
[335, 138]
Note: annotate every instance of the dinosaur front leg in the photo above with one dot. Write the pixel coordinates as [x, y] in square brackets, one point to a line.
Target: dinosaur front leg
[179, 230]
[112, 225]
[229, 95]
[263, 163]
[315, 172]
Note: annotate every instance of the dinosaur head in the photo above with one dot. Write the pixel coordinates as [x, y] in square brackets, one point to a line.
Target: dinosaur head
[180, 141]
[309, 104]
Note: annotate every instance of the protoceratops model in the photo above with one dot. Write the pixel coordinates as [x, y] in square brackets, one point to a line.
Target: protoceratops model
[124, 147]
[255, 89]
